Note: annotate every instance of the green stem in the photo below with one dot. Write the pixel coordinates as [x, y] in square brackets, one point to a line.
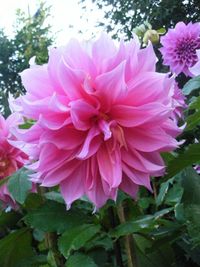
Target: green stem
[154, 189]
[117, 246]
[128, 240]
[51, 244]
[51, 238]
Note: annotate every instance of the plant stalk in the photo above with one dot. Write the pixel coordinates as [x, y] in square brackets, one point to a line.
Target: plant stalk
[117, 246]
[128, 240]
[51, 238]
[51, 244]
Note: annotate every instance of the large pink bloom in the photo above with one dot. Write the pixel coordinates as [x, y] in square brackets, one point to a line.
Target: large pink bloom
[103, 115]
[180, 47]
[11, 158]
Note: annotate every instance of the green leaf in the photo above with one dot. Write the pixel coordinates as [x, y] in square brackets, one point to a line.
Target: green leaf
[191, 252]
[53, 216]
[145, 202]
[174, 195]
[195, 104]
[100, 256]
[192, 214]
[193, 120]
[144, 224]
[158, 257]
[15, 247]
[191, 203]
[179, 212]
[33, 201]
[35, 261]
[141, 225]
[191, 85]
[56, 196]
[19, 185]
[163, 191]
[80, 259]
[9, 219]
[183, 160]
[76, 238]
[191, 185]
[161, 213]
[27, 124]
[38, 235]
[51, 259]
[161, 31]
[103, 240]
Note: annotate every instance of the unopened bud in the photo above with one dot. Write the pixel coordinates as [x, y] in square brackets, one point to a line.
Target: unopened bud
[151, 35]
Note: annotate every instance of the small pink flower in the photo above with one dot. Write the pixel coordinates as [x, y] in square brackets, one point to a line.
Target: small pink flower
[180, 47]
[178, 102]
[103, 116]
[11, 158]
[197, 168]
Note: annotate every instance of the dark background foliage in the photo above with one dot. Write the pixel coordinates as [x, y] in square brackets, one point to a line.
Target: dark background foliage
[124, 15]
[32, 37]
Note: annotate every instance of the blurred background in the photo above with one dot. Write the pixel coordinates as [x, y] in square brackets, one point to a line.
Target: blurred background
[28, 28]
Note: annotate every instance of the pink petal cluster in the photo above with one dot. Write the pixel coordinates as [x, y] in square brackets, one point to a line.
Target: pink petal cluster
[103, 116]
[180, 47]
[195, 70]
[178, 102]
[11, 158]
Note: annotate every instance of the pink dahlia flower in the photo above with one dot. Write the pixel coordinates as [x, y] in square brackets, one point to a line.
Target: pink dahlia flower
[103, 115]
[11, 158]
[180, 47]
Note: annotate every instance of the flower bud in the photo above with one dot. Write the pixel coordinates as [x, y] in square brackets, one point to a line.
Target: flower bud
[151, 35]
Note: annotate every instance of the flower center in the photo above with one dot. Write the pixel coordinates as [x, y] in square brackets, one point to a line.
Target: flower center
[103, 116]
[4, 163]
[186, 51]
[119, 137]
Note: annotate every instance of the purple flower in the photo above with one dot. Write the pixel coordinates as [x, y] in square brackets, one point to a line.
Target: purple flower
[180, 47]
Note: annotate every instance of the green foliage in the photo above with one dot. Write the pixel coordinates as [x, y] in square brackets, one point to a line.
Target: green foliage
[9, 219]
[76, 238]
[191, 185]
[19, 185]
[80, 259]
[15, 247]
[191, 85]
[191, 201]
[53, 216]
[163, 191]
[190, 156]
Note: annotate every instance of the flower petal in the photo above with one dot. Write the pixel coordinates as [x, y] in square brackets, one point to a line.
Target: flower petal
[129, 116]
[82, 114]
[110, 165]
[110, 86]
[72, 188]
